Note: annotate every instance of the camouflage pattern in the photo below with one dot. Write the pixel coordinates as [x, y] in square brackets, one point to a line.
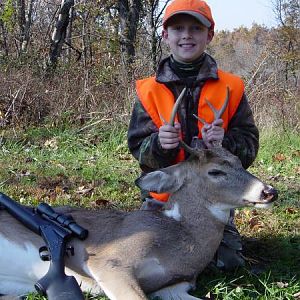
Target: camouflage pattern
[241, 138]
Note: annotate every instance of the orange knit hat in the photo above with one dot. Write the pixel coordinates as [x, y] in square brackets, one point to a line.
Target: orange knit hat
[197, 8]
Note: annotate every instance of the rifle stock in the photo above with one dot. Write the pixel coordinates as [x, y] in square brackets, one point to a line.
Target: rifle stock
[58, 286]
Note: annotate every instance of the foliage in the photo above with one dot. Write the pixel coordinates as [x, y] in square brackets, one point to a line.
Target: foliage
[7, 13]
[91, 75]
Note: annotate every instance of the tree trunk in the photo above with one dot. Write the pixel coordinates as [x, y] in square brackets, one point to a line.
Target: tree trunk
[154, 21]
[24, 23]
[59, 33]
[4, 46]
[69, 34]
[27, 27]
[21, 23]
[129, 14]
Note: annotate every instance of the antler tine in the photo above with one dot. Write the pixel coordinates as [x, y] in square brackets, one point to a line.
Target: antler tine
[172, 121]
[188, 149]
[200, 119]
[221, 111]
[176, 105]
[218, 113]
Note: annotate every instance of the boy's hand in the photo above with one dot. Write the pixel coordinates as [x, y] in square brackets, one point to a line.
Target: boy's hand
[169, 136]
[213, 133]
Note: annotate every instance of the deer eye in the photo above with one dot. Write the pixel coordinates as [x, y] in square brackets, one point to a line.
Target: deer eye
[216, 172]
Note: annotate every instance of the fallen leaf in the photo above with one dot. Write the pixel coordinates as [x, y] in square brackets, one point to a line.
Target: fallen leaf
[82, 190]
[209, 296]
[247, 213]
[296, 153]
[126, 157]
[52, 143]
[58, 190]
[253, 222]
[256, 224]
[279, 157]
[24, 173]
[101, 202]
[282, 285]
[297, 295]
[291, 210]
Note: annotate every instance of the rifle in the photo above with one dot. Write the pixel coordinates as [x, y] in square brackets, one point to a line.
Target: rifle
[56, 229]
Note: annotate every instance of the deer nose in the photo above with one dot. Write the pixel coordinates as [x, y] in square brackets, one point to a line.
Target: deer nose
[269, 194]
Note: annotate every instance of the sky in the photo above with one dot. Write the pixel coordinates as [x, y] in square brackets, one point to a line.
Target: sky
[230, 14]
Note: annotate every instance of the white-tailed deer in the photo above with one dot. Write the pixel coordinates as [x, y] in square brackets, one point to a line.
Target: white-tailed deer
[132, 255]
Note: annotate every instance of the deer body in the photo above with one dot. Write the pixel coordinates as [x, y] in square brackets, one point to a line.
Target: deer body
[130, 254]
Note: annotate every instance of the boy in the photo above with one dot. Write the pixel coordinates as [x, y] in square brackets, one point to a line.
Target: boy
[188, 27]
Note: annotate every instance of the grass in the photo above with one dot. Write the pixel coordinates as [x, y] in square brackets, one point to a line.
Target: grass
[57, 166]
[94, 169]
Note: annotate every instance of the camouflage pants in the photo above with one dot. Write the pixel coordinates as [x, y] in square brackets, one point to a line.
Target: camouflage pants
[228, 255]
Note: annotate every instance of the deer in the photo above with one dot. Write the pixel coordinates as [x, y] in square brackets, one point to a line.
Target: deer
[142, 254]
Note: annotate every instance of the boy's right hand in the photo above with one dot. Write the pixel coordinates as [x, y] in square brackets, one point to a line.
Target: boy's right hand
[169, 136]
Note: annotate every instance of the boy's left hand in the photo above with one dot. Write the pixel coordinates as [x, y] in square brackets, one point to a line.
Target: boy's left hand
[213, 132]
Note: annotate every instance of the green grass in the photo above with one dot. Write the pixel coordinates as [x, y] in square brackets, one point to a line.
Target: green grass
[278, 163]
[93, 168]
[61, 166]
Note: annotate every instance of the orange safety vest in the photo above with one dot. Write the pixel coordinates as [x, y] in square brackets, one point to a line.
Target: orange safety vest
[158, 101]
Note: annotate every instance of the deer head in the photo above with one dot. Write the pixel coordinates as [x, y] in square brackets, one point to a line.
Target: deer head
[213, 175]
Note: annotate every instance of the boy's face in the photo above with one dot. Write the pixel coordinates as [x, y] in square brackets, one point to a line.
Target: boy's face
[186, 37]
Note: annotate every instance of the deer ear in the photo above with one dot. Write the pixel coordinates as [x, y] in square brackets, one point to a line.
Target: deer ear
[159, 182]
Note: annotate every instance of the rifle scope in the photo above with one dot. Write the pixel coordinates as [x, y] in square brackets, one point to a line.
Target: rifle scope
[64, 220]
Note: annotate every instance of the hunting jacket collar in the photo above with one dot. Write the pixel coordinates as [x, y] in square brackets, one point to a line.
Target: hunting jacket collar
[166, 75]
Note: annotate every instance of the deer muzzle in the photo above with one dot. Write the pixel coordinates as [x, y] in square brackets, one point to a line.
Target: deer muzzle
[269, 194]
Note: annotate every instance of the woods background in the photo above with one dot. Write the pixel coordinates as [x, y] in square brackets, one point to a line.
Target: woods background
[76, 61]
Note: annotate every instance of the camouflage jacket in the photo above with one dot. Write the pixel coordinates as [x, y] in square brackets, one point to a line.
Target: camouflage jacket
[241, 138]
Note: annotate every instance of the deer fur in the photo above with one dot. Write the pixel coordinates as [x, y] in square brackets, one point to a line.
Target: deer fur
[139, 254]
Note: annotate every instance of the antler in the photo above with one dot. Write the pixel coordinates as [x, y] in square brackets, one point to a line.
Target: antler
[187, 148]
[176, 105]
[217, 114]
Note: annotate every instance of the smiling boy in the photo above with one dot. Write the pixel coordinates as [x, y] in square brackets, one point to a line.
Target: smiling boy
[188, 27]
[186, 37]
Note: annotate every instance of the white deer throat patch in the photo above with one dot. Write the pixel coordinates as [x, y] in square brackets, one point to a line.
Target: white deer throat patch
[221, 211]
[173, 212]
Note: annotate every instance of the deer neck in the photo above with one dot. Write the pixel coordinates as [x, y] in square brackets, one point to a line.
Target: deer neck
[195, 214]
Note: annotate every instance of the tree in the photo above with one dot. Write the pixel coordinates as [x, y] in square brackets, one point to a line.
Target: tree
[59, 33]
[6, 24]
[153, 14]
[3, 42]
[288, 16]
[129, 15]
[24, 22]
